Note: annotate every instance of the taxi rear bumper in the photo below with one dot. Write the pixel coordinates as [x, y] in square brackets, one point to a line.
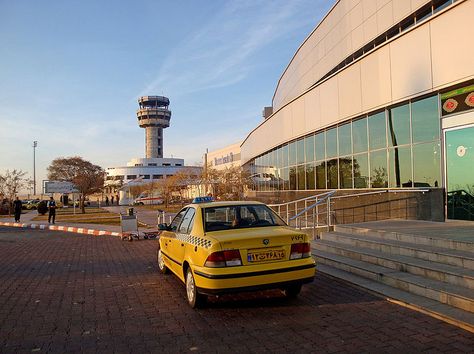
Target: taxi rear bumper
[279, 285]
[218, 283]
[254, 274]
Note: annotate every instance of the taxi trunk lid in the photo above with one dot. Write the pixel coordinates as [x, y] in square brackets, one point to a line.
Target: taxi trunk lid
[261, 245]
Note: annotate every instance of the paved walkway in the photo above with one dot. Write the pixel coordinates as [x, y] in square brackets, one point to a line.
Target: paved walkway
[145, 216]
[65, 294]
[451, 229]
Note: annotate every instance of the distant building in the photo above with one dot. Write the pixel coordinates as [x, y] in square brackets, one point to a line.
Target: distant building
[153, 115]
[224, 158]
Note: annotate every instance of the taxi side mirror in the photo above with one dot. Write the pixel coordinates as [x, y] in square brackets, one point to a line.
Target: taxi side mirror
[163, 227]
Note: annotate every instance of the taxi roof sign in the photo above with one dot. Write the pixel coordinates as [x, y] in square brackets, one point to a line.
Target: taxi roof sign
[202, 200]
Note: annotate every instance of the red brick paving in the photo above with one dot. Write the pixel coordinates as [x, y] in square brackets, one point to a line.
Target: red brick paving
[76, 293]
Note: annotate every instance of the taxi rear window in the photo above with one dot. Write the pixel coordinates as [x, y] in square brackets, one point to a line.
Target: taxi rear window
[239, 217]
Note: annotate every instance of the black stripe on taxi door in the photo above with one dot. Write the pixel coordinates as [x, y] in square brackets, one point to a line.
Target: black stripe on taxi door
[171, 259]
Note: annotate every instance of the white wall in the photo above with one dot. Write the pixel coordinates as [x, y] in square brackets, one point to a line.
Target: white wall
[347, 27]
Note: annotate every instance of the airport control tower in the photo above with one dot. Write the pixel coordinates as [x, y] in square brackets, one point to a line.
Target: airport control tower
[153, 115]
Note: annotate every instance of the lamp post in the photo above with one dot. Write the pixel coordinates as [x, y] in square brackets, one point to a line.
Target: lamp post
[35, 144]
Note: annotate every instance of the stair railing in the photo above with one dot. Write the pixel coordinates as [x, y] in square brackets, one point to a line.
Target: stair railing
[306, 213]
[316, 211]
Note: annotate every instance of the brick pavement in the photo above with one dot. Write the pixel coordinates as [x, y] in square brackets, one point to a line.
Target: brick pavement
[77, 293]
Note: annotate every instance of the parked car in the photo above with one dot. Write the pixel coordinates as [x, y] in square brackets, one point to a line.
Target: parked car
[148, 200]
[31, 204]
[225, 247]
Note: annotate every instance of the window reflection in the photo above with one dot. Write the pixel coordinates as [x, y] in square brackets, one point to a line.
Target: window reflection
[292, 153]
[300, 151]
[345, 172]
[321, 175]
[284, 156]
[377, 131]
[359, 135]
[320, 146]
[310, 176]
[285, 179]
[301, 177]
[292, 178]
[426, 162]
[399, 126]
[378, 169]
[332, 173]
[361, 171]
[331, 143]
[425, 119]
[345, 139]
[309, 148]
[404, 164]
[400, 167]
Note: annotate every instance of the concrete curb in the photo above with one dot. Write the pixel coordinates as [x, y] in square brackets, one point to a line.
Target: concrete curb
[77, 230]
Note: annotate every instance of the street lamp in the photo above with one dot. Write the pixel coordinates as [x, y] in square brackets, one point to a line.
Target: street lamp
[35, 144]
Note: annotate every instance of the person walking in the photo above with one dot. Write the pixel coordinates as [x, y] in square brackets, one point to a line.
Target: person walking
[17, 205]
[106, 201]
[52, 210]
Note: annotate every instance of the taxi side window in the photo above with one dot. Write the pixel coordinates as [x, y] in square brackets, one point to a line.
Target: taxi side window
[177, 220]
[187, 223]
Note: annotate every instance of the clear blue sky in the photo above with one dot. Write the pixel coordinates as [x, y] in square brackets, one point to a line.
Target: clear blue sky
[71, 72]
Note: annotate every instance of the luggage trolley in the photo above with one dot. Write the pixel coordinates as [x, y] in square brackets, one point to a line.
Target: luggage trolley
[129, 225]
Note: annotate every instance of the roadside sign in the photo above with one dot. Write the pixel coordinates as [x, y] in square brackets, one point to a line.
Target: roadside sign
[59, 187]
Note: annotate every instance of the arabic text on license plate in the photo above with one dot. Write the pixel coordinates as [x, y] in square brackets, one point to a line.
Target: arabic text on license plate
[263, 256]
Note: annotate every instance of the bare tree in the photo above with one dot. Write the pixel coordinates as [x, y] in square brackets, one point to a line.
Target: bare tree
[11, 183]
[87, 177]
[229, 183]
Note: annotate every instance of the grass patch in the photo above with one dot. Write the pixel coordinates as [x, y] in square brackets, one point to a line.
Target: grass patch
[91, 216]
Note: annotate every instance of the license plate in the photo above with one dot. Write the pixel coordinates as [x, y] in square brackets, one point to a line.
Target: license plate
[266, 255]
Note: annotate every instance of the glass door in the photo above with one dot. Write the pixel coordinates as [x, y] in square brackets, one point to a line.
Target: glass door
[460, 173]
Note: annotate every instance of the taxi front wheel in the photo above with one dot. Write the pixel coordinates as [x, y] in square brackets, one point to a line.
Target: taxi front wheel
[161, 263]
[195, 299]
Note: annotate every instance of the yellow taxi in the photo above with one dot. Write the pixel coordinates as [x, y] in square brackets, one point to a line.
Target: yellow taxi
[223, 247]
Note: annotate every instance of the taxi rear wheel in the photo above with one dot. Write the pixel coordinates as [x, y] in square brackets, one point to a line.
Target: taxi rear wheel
[195, 299]
[161, 263]
[292, 291]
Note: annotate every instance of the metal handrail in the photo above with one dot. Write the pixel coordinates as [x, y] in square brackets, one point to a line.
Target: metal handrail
[297, 200]
[329, 194]
[309, 216]
[382, 191]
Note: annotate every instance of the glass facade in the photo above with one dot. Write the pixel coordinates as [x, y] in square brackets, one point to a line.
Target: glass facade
[398, 147]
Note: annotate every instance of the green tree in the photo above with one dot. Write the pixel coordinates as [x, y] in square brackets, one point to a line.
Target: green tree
[87, 177]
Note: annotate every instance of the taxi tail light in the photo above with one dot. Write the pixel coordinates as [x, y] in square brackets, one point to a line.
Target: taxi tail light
[300, 250]
[229, 258]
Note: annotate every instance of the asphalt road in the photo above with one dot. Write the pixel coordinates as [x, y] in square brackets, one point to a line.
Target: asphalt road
[62, 292]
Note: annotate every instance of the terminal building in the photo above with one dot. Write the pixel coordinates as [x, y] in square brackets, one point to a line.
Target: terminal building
[226, 157]
[153, 115]
[380, 95]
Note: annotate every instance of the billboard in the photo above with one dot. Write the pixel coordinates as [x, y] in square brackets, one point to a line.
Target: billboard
[59, 187]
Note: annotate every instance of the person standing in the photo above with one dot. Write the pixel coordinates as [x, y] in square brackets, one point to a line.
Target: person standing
[52, 210]
[112, 199]
[117, 198]
[17, 205]
[106, 200]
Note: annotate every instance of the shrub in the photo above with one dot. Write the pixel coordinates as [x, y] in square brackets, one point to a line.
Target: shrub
[42, 207]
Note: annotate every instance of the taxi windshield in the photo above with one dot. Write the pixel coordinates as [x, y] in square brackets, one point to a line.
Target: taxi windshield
[239, 217]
